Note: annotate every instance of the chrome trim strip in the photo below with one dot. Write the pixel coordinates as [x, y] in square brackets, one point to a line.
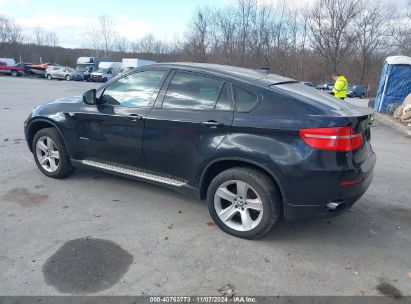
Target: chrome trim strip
[332, 136]
[132, 172]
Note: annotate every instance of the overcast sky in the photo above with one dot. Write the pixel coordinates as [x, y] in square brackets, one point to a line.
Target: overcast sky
[133, 19]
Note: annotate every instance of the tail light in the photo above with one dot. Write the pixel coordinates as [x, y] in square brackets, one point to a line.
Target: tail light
[335, 138]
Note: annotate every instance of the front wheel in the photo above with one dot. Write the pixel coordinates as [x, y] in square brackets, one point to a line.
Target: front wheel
[14, 73]
[49, 77]
[68, 78]
[50, 153]
[244, 202]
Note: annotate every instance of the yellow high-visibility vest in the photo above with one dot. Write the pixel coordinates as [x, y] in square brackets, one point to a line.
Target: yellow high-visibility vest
[340, 87]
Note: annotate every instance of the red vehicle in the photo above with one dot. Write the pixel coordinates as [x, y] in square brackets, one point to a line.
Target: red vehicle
[13, 70]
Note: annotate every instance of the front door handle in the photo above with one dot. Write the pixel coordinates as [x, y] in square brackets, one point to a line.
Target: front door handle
[134, 117]
[212, 124]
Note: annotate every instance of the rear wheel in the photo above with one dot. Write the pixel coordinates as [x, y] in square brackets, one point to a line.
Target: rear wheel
[49, 77]
[244, 202]
[50, 153]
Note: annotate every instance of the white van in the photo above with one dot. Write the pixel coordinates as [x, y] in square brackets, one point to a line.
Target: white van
[105, 71]
[132, 63]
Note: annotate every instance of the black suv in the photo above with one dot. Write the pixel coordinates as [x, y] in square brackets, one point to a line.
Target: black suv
[255, 146]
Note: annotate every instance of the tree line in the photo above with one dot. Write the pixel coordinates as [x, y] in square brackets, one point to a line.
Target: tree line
[305, 42]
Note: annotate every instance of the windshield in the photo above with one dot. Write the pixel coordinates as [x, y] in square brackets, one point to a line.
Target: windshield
[81, 68]
[102, 71]
[70, 70]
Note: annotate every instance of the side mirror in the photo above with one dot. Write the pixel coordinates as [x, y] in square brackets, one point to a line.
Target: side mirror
[89, 97]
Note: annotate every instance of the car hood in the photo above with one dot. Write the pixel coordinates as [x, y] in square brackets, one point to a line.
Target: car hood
[72, 99]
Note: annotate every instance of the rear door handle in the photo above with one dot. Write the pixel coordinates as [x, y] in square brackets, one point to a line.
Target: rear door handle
[212, 124]
[134, 117]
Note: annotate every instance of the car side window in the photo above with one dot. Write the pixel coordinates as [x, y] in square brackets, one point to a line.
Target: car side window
[244, 99]
[191, 91]
[133, 90]
[223, 102]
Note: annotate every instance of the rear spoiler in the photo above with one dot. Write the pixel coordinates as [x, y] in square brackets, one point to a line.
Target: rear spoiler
[284, 82]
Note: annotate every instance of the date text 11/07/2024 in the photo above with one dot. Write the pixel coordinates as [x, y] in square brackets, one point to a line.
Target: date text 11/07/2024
[203, 299]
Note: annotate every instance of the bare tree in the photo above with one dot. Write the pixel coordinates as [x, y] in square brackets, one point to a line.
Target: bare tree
[372, 29]
[39, 35]
[401, 31]
[106, 34]
[92, 37]
[4, 29]
[10, 32]
[197, 42]
[100, 36]
[246, 12]
[51, 39]
[331, 24]
[121, 44]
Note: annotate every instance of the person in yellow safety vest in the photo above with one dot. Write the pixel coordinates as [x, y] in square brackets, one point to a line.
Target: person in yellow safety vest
[340, 86]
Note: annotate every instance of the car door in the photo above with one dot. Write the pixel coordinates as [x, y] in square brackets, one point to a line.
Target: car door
[192, 115]
[112, 130]
[60, 72]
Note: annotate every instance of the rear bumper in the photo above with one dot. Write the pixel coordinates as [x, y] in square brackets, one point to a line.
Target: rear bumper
[346, 196]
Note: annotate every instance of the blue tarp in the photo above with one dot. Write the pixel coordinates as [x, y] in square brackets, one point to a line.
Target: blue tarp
[395, 82]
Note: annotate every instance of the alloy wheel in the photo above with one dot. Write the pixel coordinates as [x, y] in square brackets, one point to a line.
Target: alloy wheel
[47, 154]
[238, 205]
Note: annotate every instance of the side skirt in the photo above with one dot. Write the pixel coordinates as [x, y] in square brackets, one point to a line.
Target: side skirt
[151, 177]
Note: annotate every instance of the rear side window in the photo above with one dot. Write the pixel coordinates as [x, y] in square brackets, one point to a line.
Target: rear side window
[244, 100]
[190, 91]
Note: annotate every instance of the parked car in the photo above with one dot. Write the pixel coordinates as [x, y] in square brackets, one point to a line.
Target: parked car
[255, 146]
[14, 70]
[307, 83]
[62, 72]
[325, 86]
[356, 91]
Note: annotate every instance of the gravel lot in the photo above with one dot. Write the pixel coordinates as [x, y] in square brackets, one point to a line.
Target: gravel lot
[94, 233]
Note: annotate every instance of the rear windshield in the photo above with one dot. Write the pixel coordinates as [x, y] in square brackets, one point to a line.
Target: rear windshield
[296, 98]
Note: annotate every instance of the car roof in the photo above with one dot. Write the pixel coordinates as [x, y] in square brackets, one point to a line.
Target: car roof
[229, 71]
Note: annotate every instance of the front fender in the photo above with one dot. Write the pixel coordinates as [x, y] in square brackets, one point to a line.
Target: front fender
[34, 124]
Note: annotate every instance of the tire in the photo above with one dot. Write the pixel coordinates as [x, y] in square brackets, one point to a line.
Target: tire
[104, 80]
[68, 78]
[362, 95]
[261, 189]
[63, 166]
[49, 77]
[14, 73]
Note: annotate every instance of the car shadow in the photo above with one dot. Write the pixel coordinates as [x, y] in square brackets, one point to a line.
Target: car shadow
[362, 224]
[368, 222]
[85, 174]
